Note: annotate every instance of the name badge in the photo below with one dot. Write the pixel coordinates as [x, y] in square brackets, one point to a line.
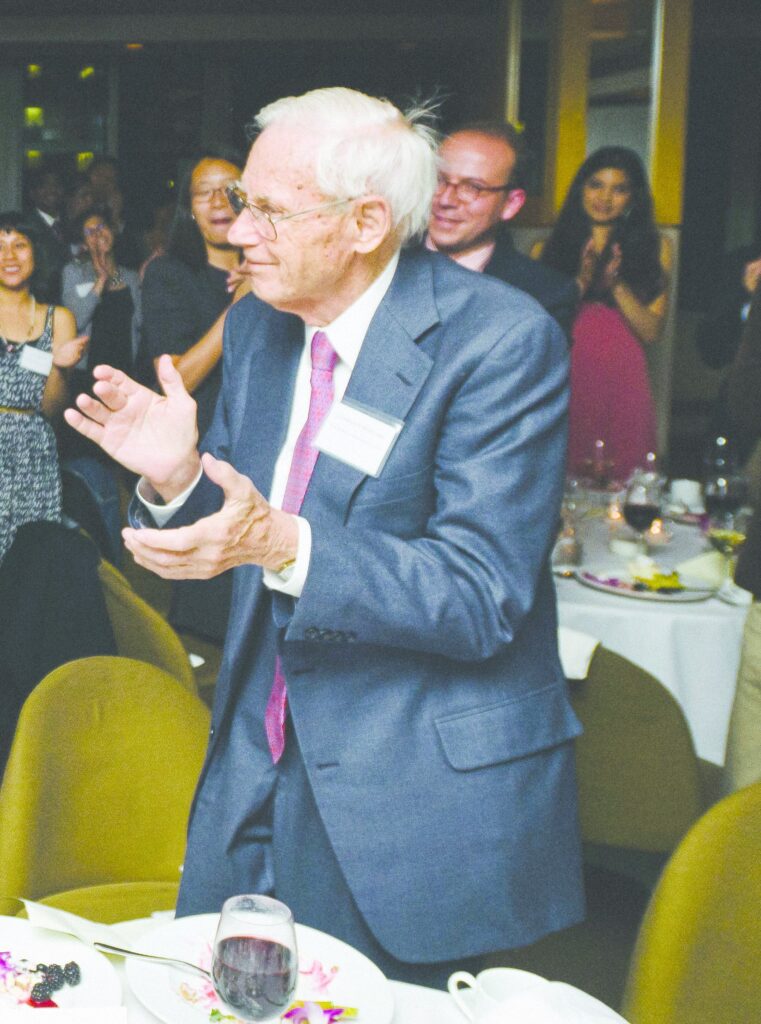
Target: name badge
[84, 288]
[36, 360]
[360, 437]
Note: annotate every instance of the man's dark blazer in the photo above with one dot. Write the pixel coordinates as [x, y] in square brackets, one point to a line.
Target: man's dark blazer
[424, 682]
[50, 253]
[554, 290]
[743, 391]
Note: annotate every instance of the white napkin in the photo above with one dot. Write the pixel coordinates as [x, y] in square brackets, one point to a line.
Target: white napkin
[709, 568]
[62, 921]
[576, 650]
[553, 1003]
[80, 1015]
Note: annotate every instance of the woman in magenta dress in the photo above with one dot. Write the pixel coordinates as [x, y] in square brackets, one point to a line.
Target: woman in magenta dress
[606, 238]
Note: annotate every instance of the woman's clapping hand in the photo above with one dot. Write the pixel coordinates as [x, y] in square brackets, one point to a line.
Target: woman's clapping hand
[68, 353]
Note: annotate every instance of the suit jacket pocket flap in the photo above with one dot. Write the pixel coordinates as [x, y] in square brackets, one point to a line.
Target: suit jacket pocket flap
[507, 731]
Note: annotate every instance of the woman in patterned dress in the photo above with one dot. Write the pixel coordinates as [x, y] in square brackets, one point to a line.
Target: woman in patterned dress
[37, 348]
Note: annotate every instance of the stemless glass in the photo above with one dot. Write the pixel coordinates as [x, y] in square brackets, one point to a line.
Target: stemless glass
[642, 503]
[255, 961]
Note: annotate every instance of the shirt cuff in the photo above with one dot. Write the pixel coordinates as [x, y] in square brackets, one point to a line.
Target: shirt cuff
[296, 576]
[163, 513]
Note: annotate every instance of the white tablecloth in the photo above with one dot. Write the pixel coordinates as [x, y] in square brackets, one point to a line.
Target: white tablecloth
[692, 648]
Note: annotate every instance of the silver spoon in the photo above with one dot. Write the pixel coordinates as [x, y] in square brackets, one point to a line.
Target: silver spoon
[104, 947]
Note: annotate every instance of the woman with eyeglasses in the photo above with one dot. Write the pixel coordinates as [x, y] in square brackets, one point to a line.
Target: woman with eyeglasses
[186, 294]
[606, 238]
[187, 291]
[38, 347]
[103, 296]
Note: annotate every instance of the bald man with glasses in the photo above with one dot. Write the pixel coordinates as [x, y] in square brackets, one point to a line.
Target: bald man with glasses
[480, 188]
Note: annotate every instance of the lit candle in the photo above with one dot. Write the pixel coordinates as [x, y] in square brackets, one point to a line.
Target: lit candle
[658, 534]
[614, 510]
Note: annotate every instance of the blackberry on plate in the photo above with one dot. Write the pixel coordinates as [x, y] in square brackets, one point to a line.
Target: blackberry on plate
[72, 973]
[41, 992]
[54, 977]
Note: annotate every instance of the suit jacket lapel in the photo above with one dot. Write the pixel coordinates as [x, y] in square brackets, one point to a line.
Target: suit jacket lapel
[272, 362]
[267, 367]
[389, 373]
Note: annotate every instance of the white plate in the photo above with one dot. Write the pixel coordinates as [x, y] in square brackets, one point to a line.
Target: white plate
[99, 985]
[328, 970]
[621, 583]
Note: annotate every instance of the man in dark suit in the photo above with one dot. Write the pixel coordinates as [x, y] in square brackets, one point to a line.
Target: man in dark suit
[480, 189]
[391, 750]
[46, 195]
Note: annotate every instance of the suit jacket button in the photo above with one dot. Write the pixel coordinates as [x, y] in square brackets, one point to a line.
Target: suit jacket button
[312, 633]
[327, 635]
[350, 636]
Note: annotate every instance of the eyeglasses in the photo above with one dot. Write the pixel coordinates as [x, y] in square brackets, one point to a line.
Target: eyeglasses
[467, 191]
[94, 230]
[205, 195]
[265, 223]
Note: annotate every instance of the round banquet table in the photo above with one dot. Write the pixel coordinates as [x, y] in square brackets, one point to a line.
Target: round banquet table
[693, 648]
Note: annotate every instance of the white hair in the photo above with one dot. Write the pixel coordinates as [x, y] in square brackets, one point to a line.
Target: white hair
[367, 145]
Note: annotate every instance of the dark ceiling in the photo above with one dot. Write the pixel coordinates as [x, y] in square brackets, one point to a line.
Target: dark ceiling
[33, 8]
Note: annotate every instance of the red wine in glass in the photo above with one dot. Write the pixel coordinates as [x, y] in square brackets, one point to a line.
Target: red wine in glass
[640, 516]
[254, 964]
[256, 977]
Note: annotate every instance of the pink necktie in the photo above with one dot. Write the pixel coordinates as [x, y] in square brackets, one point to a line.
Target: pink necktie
[304, 458]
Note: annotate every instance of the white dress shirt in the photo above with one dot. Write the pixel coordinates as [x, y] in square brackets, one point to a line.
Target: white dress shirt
[347, 334]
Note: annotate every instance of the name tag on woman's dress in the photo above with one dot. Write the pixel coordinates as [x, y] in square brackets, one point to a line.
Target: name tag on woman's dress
[36, 360]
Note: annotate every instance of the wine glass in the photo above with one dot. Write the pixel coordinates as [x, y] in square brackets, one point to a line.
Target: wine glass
[254, 964]
[599, 467]
[726, 532]
[724, 492]
[642, 503]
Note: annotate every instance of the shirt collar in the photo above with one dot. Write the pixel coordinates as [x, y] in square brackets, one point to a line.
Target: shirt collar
[476, 259]
[50, 221]
[348, 330]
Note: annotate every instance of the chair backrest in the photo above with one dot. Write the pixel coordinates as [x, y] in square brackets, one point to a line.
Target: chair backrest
[698, 954]
[638, 775]
[140, 631]
[100, 778]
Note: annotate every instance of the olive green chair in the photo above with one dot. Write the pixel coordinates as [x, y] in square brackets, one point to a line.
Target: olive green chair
[698, 954]
[96, 794]
[639, 778]
[140, 631]
[639, 790]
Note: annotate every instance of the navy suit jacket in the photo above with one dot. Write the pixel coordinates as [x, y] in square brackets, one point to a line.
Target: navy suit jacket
[51, 253]
[423, 676]
[554, 290]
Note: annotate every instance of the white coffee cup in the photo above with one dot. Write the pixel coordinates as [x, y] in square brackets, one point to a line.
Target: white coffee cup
[687, 493]
[489, 989]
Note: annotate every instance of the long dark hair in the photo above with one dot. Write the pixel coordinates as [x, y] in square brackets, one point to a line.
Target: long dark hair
[635, 232]
[185, 240]
[12, 220]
